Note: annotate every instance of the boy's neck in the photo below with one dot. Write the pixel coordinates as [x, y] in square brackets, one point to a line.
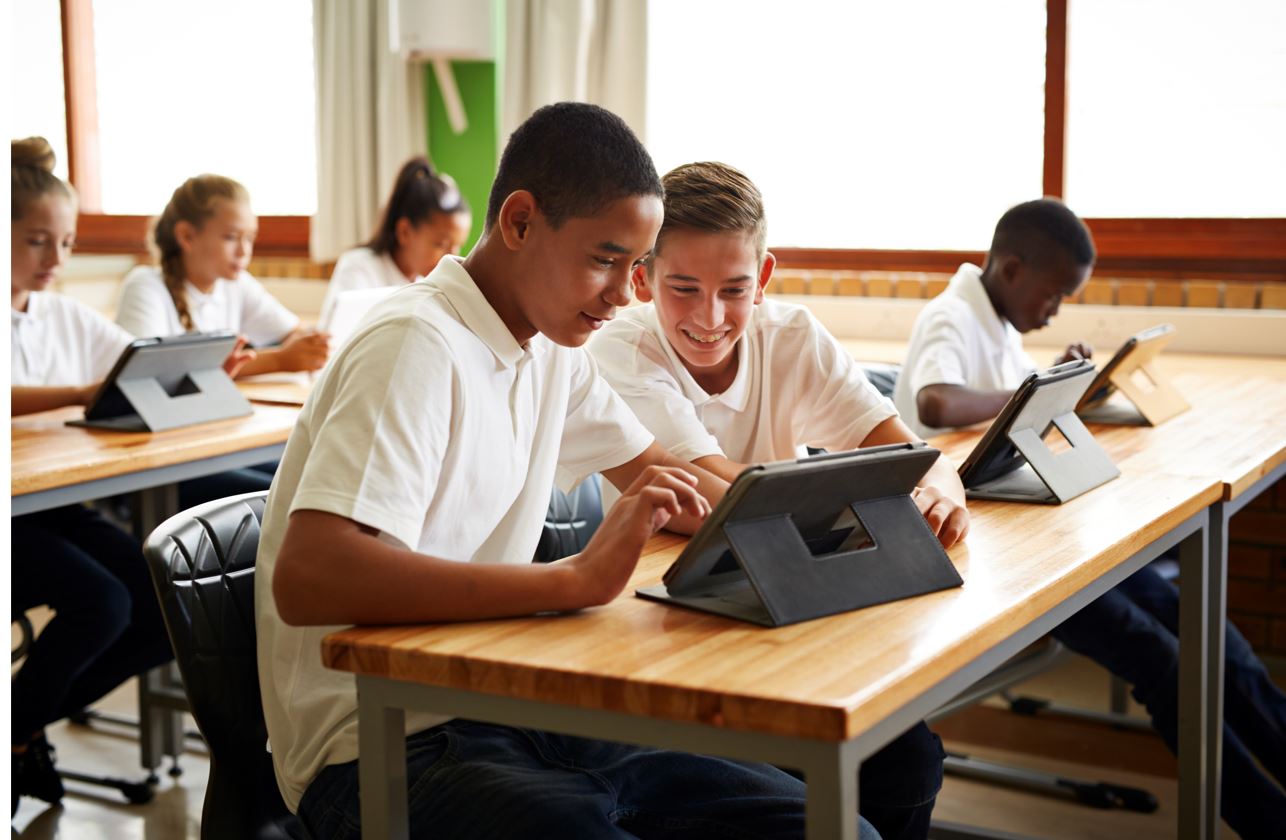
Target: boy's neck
[715, 382]
[993, 294]
[493, 274]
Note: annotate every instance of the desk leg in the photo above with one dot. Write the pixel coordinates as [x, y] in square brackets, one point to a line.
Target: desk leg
[1201, 575]
[831, 809]
[382, 785]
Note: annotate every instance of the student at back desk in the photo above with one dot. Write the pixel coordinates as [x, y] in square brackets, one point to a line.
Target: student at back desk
[725, 379]
[414, 489]
[425, 219]
[203, 241]
[964, 361]
[107, 626]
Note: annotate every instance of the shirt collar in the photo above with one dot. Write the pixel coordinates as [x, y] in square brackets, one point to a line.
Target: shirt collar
[200, 298]
[475, 310]
[968, 284]
[35, 306]
[737, 394]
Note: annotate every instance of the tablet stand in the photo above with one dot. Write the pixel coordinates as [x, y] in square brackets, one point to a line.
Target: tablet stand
[1154, 396]
[1048, 477]
[788, 583]
[198, 396]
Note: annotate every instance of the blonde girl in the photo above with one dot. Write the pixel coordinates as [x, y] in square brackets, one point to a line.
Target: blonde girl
[203, 241]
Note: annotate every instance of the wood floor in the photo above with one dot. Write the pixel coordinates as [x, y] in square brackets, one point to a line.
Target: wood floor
[175, 813]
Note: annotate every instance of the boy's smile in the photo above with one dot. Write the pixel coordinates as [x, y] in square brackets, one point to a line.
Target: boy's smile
[705, 287]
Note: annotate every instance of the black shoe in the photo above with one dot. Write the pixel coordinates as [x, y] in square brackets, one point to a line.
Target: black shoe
[34, 773]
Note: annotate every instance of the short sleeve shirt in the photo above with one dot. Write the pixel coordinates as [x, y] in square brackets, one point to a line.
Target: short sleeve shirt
[795, 386]
[242, 305]
[960, 339]
[59, 341]
[433, 426]
[361, 268]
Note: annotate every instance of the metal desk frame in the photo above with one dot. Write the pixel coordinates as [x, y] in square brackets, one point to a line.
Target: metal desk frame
[831, 767]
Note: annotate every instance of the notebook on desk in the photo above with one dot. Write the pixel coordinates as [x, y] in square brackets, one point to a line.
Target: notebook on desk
[347, 310]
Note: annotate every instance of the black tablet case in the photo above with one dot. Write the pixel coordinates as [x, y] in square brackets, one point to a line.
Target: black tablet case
[769, 575]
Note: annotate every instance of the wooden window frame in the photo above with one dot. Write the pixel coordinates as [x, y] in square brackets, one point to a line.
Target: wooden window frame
[1220, 248]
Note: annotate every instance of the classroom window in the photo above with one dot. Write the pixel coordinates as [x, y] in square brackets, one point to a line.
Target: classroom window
[228, 90]
[1176, 108]
[866, 125]
[35, 66]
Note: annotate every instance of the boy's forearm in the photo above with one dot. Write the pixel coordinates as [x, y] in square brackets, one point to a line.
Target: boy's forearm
[265, 361]
[943, 475]
[709, 485]
[952, 406]
[331, 570]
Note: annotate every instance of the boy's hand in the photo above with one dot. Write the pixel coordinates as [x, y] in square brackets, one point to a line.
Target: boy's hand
[305, 351]
[1077, 350]
[238, 358]
[604, 567]
[947, 518]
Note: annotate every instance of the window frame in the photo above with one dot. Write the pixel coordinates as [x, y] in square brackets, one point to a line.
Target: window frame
[1220, 248]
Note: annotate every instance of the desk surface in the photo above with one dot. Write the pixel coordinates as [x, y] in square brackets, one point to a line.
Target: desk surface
[830, 679]
[1234, 431]
[47, 454]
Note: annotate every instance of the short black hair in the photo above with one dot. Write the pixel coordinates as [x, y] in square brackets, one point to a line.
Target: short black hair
[575, 159]
[1026, 227]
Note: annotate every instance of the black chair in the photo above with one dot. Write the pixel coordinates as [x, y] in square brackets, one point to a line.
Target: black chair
[203, 563]
[571, 520]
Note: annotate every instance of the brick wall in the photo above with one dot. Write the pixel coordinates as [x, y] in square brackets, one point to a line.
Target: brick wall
[1257, 571]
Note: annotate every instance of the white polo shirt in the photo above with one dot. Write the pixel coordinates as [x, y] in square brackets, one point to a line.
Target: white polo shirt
[435, 427]
[59, 341]
[795, 386]
[361, 268]
[960, 339]
[242, 305]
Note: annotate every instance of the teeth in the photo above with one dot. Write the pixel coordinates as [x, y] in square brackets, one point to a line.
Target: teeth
[704, 339]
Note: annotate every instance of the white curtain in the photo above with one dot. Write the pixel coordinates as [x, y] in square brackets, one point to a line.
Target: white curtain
[583, 50]
[370, 119]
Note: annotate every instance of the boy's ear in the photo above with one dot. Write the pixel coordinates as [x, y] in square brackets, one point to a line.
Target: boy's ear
[1009, 268]
[642, 291]
[515, 218]
[765, 274]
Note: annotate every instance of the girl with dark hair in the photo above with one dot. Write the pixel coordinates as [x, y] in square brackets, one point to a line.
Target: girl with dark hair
[425, 219]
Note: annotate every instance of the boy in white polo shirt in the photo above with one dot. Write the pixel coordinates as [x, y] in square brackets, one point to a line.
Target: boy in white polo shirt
[725, 378]
[965, 360]
[966, 356]
[414, 487]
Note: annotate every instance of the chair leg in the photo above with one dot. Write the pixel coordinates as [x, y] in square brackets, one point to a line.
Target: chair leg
[1094, 794]
[1032, 706]
[136, 793]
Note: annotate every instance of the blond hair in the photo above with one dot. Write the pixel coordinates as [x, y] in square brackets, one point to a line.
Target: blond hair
[31, 168]
[194, 203]
[714, 198]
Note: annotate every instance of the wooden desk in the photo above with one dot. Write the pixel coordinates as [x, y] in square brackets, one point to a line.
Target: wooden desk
[1233, 434]
[820, 696]
[54, 464]
[277, 388]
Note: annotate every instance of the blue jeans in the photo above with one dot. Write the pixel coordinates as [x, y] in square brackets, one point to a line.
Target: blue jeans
[483, 781]
[1133, 632]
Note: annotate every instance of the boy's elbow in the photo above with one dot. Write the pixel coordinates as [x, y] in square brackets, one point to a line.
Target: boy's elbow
[289, 593]
[931, 407]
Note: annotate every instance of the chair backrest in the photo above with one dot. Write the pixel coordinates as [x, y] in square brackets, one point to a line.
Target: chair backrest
[203, 563]
[883, 376]
[571, 520]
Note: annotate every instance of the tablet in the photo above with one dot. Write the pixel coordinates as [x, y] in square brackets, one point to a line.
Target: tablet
[795, 540]
[163, 383]
[1012, 461]
[1150, 341]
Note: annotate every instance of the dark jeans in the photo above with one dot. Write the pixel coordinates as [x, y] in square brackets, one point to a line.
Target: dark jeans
[1133, 632]
[483, 781]
[107, 623]
[197, 491]
[898, 785]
